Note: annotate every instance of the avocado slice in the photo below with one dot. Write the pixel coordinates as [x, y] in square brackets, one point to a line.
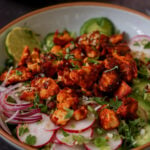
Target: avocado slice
[48, 43]
[143, 101]
[143, 109]
[139, 86]
[102, 24]
[143, 138]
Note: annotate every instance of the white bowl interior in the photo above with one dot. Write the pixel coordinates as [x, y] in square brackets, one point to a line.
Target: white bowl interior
[73, 17]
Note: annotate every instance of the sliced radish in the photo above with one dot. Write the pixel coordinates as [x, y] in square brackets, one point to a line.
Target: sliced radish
[48, 124]
[68, 140]
[64, 147]
[43, 131]
[114, 141]
[138, 43]
[79, 126]
[91, 146]
[36, 129]
[54, 140]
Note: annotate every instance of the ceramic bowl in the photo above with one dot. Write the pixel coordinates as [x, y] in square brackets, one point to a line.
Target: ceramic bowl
[72, 16]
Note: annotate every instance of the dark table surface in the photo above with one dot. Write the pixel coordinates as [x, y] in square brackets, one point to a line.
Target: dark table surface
[11, 9]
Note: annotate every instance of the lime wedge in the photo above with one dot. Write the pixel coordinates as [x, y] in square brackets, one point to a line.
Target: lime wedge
[17, 39]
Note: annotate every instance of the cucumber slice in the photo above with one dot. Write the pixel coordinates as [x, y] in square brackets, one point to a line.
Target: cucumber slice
[144, 136]
[142, 98]
[48, 42]
[17, 39]
[102, 24]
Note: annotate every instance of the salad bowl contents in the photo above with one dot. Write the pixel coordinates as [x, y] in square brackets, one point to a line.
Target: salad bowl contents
[77, 91]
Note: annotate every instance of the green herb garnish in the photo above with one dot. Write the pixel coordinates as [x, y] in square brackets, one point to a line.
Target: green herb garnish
[147, 45]
[100, 141]
[69, 56]
[143, 71]
[136, 43]
[44, 109]
[129, 130]
[69, 113]
[30, 139]
[67, 50]
[19, 73]
[26, 83]
[91, 109]
[36, 100]
[59, 56]
[115, 67]
[100, 131]
[65, 134]
[80, 139]
[99, 100]
[94, 61]
[52, 98]
[74, 66]
[146, 60]
[23, 130]
[115, 104]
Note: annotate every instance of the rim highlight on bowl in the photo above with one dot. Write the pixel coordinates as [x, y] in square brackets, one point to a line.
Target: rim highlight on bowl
[56, 7]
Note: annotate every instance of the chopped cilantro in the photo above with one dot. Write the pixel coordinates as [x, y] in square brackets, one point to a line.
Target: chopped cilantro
[52, 98]
[19, 73]
[94, 61]
[37, 104]
[23, 130]
[11, 100]
[115, 104]
[59, 56]
[147, 60]
[30, 139]
[67, 50]
[100, 131]
[99, 100]
[91, 109]
[147, 45]
[41, 105]
[69, 113]
[74, 66]
[26, 83]
[143, 71]
[72, 126]
[129, 130]
[115, 67]
[80, 139]
[65, 134]
[44, 109]
[94, 48]
[100, 141]
[69, 56]
[36, 100]
[136, 43]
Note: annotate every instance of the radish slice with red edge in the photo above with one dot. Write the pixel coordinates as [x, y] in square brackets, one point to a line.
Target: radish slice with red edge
[67, 138]
[42, 136]
[140, 43]
[64, 147]
[114, 141]
[48, 124]
[81, 125]
[91, 146]
[54, 140]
